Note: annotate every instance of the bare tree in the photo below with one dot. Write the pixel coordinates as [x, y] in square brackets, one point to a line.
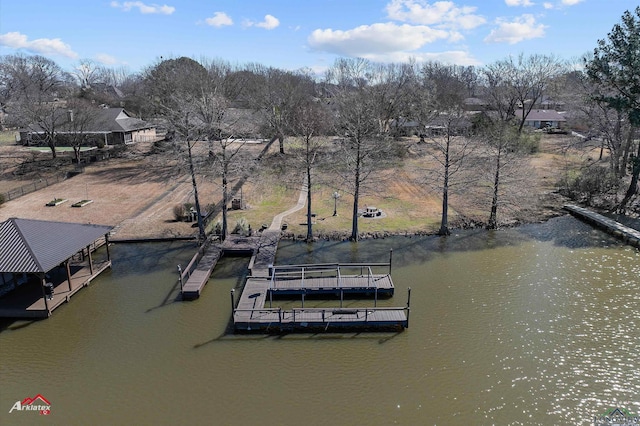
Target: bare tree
[519, 84]
[442, 108]
[277, 94]
[310, 121]
[35, 88]
[352, 84]
[196, 108]
[81, 119]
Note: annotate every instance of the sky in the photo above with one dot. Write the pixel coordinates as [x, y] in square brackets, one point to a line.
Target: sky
[295, 34]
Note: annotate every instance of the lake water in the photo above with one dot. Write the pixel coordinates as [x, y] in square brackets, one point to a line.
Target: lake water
[533, 325]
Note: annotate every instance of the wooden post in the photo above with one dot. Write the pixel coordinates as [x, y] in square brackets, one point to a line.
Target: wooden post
[106, 243]
[90, 260]
[68, 268]
[180, 277]
[303, 291]
[233, 290]
[408, 304]
[390, 259]
[44, 294]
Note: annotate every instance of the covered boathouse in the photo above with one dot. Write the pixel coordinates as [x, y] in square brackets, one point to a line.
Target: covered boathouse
[42, 264]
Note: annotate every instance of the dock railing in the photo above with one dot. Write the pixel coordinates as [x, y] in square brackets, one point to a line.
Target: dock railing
[193, 264]
[331, 271]
[322, 316]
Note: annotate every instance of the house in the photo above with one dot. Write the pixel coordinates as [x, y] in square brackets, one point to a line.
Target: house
[107, 126]
[475, 104]
[43, 263]
[543, 119]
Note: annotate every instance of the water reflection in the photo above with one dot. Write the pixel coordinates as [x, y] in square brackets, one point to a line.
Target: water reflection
[531, 325]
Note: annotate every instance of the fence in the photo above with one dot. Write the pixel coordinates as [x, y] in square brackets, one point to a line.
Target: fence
[32, 187]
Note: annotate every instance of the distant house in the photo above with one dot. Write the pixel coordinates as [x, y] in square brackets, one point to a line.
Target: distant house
[543, 118]
[122, 127]
[110, 126]
[475, 104]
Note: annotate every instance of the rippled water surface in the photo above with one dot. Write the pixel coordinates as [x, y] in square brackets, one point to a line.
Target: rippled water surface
[535, 325]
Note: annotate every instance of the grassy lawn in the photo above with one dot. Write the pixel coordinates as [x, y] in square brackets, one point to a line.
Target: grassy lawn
[7, 137]
[60, 148]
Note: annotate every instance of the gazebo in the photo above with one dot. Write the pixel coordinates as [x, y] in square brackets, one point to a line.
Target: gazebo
[42, 264]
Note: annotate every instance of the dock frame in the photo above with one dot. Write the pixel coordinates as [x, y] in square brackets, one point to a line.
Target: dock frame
[320, 280]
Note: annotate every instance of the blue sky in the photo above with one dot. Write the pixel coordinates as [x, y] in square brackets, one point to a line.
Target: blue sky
[292, 34]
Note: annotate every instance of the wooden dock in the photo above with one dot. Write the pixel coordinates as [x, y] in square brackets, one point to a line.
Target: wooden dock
[27, 300]
[252, 315]
[628, 235]
[194, 277]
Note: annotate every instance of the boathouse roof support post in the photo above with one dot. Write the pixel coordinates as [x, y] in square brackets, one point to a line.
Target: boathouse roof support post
[90, 260]
[68, 269]
[43, 281]
[106, 243]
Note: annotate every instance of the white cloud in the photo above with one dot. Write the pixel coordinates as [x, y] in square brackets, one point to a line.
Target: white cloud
[560, 4]
[219, 19]
[453, 57]
[444, 14]
[521, 28]
[106, 59]
[374, 39]
[144, 8]
[45, 46]
[270, 22]
[525, 3]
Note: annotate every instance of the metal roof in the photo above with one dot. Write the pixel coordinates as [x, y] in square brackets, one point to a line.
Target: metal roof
[34, 246]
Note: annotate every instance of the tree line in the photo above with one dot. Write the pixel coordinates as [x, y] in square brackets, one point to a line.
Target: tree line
[363, 107]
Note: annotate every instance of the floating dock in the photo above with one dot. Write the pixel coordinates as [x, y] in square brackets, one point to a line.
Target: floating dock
[253, 315]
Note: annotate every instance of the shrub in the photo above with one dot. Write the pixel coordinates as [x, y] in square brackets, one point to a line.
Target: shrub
[242, 227]
[179, 212]
[593, 182]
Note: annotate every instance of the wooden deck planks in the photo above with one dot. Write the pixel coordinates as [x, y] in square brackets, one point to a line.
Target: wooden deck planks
[28, 302]
[200, 275]
[250, 313]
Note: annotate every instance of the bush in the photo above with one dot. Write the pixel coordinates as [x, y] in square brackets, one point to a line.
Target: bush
[593, 182]
[179, 212]
[242, 227]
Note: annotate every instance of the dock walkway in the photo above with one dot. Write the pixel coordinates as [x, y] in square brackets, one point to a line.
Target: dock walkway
[197, 273]
[628, 235]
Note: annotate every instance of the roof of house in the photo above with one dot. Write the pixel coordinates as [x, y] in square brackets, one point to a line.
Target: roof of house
[542, 115]
[105, 120]
[117, 120]
[37, 246]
